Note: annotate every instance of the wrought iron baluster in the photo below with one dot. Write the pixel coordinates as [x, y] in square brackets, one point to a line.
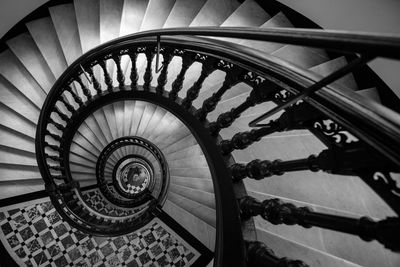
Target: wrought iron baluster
[193, 92]
[120, 74]
[54, 158]
[96, 84]
[386, 231]
[107, 78]
[336, 161]
[260, 93]
[187, 61]
[233, 76]
[54, 147]
[245, 139]
[296, 117]
[260, 255]
[134, 75]
[57, 125]
[84, 88]
[67, 105]
[60, 114]
[162, 79]
[54, 136]
[148, 74]
[56, 168]
[76, 98]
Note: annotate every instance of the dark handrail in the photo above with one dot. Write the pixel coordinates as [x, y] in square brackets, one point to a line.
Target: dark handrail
[383, 45]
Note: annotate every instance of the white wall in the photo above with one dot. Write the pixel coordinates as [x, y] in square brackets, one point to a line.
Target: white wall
[382, 16]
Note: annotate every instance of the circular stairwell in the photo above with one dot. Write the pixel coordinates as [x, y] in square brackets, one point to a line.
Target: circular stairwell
[38, 57]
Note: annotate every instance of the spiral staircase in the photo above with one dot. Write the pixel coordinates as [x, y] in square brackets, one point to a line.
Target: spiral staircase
[164, 127]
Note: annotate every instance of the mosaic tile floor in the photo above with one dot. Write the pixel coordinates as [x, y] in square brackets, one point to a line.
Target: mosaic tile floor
[35, 235]
[98, 203]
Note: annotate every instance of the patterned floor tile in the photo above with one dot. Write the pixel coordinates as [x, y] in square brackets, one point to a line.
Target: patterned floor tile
[35, 235]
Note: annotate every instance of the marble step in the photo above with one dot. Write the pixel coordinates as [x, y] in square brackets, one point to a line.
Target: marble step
[25, 49]
[202, 212]
[279, 20]
[203, 172]
[45, 37]
[88, 21]
[16, 74]
[14, 101]
[370, 93]
[214, 12]
[13, 139]
[302, 56]
[110, 19]
[248, 14]
[200, 229]
[156, 14]
[183, 143]
[65, 24]
[132, 16]
[285, 248]
[14, 121]
[187, 152]
[14, 172]
[183, 12]
[202, 184]
[330, 66]
[204, 198]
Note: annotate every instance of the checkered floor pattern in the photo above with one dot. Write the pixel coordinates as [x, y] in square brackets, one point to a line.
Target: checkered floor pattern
[97, 202]
[136, 189]
[35, 235]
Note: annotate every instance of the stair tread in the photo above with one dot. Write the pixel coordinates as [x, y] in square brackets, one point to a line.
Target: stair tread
[301, 56]
[132, 16]
[155, 119]
[330, 66]
[201, 184]
[203, 172]
[286, 248]
[205, 198]
[214, 12]
[87, 16]
[204, 213]
[183, 12]
[191, 151]
[110, 19]
[25, 49]
[279, 20]
[65, 24]
[370, 93]
[11, 139]
[13, 120]
[16, 102]
[45, 37]
[200, 229]
[13, 156]
[12, 70]
[248, 14]
[156, 14]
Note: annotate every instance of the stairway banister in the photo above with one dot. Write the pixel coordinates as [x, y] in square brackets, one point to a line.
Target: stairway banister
[372, 123]
[383, 45]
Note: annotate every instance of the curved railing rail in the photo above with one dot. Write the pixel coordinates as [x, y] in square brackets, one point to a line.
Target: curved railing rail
[375, 128]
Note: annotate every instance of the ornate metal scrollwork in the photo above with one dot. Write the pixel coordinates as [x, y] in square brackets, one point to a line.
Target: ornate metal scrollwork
[334, 132]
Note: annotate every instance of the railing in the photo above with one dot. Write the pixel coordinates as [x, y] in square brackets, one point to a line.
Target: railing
[364, 134]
